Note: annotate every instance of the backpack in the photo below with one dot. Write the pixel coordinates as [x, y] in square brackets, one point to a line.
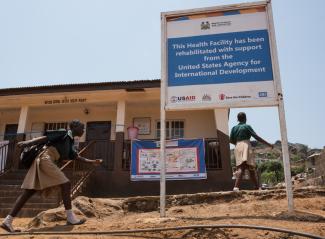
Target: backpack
[29, 154]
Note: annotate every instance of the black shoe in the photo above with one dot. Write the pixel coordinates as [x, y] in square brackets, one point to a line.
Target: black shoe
[81, 221]
[8, 229]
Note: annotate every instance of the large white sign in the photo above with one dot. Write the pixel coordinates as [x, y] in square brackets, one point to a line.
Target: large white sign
[219, 58]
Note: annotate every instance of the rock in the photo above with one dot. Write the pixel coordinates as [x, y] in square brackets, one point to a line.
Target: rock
[50, 216]
[143, 204]
[300, 216]
[96, 207]
[82, 206]
[86, 206]
[177, 210]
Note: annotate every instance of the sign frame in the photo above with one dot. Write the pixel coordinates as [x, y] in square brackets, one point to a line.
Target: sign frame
[231, 104]
[279, 103]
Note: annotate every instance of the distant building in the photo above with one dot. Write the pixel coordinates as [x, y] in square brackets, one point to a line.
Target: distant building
[316, 162]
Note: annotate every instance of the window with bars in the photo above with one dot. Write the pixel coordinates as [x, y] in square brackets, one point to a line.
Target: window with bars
[174, 129]
[55, 126]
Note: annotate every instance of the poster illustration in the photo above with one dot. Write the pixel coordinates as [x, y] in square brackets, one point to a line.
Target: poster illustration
[184, 160]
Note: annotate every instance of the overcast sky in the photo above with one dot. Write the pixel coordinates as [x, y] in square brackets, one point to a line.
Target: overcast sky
[59, 42]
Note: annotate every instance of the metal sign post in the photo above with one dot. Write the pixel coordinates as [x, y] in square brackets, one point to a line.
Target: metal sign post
[281, 112]
[163, 122]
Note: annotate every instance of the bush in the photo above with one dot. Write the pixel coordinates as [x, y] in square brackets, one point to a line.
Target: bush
[269, 178]
[297, 170]
[271, 172]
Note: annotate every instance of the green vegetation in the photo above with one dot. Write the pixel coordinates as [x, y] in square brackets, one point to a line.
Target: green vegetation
[297, 170]
[271, 172]
[296, 158]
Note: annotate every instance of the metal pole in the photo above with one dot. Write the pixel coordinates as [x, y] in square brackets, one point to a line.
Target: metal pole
[162, 120]
[283, 127]
[285, 155]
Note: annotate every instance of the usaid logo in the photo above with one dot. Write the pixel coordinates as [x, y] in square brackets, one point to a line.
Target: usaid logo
[186, 98]
[173, 99]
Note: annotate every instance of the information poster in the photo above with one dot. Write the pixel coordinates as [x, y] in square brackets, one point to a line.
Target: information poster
[219, 59]
[184, 160]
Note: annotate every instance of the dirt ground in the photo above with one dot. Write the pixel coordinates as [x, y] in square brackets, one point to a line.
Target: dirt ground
[260, 208]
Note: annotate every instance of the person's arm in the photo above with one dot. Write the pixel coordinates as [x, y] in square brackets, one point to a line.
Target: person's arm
[93, 161]
[258, 138]
[38, 140]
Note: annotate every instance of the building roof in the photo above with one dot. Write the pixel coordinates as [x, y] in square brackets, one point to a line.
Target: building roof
[118, 85]
[314, 155]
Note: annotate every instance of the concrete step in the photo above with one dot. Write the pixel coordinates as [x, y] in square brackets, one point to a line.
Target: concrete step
[10, 182]
[10, 192]
[10, 187]
[34, 199]
[25, 212]
[38, 205]
[14, 175]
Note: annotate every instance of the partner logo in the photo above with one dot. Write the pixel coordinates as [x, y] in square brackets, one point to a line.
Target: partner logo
[187, 98]
[222, 96]
[206, 97]
[205, 25]
[262, 94]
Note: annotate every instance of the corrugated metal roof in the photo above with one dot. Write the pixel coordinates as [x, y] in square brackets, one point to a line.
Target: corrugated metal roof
[115, 85]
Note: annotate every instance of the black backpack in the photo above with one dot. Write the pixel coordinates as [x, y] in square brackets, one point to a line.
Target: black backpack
[29, 154]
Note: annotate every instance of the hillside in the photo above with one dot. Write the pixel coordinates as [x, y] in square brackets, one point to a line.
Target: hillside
[270, 166]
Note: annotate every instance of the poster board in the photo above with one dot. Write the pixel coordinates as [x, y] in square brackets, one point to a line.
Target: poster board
[184, 160]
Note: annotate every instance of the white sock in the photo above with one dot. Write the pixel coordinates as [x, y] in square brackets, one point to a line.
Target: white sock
[8, 220]
[71, 217]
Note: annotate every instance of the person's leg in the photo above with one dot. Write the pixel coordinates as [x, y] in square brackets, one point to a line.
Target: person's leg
[253, 176]
[239, 175]
[20, 202]
[66, 198]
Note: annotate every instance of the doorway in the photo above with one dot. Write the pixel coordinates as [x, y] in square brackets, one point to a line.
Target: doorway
[11, 132]
[100, 131]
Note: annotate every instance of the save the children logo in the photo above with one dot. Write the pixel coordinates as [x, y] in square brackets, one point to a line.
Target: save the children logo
[222, 96]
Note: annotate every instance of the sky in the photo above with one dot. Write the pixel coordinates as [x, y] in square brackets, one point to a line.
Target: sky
[79, 41]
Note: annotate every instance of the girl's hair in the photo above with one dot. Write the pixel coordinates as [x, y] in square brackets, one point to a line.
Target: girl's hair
[75, 123]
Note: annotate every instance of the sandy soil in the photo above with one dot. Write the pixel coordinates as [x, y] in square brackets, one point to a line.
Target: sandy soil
[250, 208]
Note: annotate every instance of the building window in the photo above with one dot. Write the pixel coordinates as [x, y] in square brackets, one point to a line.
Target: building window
[174, 129]
[55, 126]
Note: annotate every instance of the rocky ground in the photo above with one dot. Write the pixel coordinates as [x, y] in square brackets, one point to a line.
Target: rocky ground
[262, 208]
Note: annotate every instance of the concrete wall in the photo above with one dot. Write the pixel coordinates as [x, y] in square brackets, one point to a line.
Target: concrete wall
[199, 123]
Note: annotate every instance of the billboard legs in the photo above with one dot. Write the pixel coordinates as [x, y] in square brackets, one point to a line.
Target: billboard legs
[285, 155]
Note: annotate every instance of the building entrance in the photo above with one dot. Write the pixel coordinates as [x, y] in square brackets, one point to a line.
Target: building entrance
[100, 131]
